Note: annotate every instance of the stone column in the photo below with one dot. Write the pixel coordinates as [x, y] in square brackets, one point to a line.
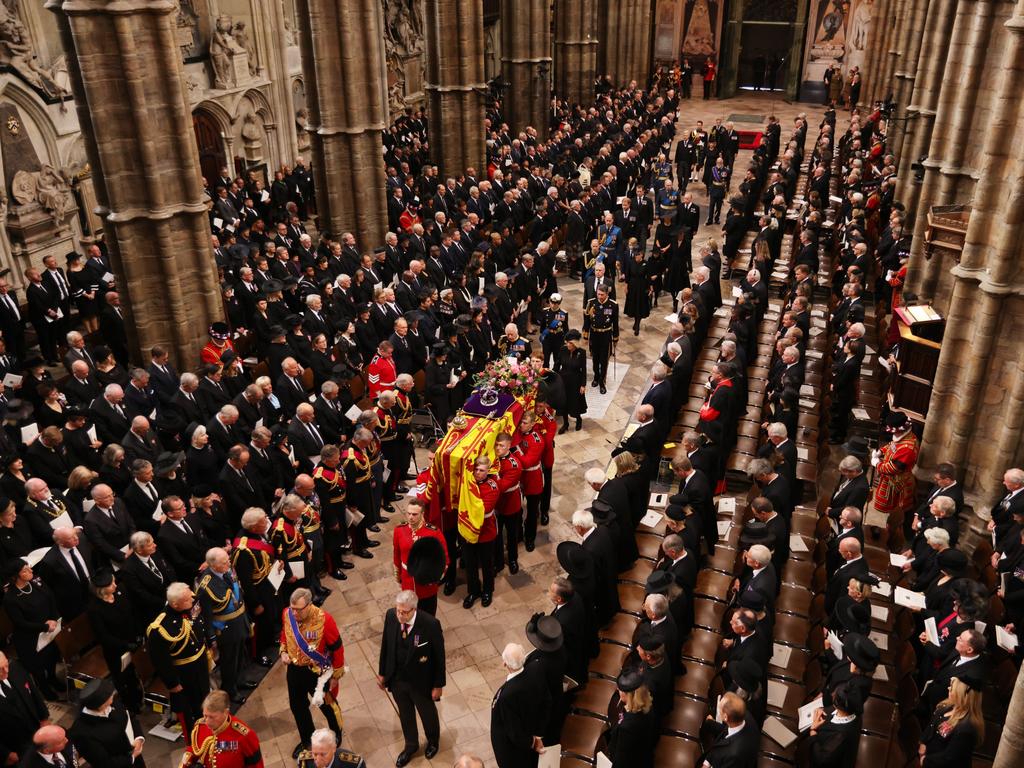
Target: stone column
[892, 51]
[628, 47]
[526, 64]
[1011, 743]
[948, 173]
[732, 34]
[342, 44]
[125, 69]
[455, 84]
[906, 73]
[875, 49]
[979, 384]
[268, 27]
[575, 50]
[793, 71]
[921, 111]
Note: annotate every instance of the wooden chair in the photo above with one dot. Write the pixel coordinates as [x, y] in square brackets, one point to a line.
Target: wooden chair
[697, 680]
[686, 718]
[609, 661]
[676, 752]
[595, 699]
[620, 630]
[582, 735]
[82, 657]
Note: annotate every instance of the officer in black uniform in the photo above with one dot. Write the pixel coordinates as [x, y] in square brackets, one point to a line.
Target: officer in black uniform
[227, 623]
[554, 322]
[177, 645]
[601, 328]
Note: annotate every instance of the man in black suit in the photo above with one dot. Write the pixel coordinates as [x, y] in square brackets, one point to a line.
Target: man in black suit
[237, 488]
[779, 443]
[853, 567]
[47, 459]
[772, 485]
[703, 456]
[139, 397]
[680, 367]
[518, 712]
[109, 415]
[12, 323]
[596, 280]
[81, 388]
[777, 527]
[113, 328]
[759, 571]
[695, 485]
[77, 351]
[162, 376]
[329, 414]
[660, 396]
[43, 311]
[572, 615]
[944, 484]
[223, 431]
[141, 498]
[705, 289]
[140, 442]
[145, 575]
[849, 527]
[184, 408]
[598, 543]
[966, 663]
[212, 395]
[22, 710]
[412, 668]
[108, 526]
[681, 565]
[745, 641]
[737, 736]
[56, 283]
[289, 388]
[49, 745]
[1002, 521]
[181, 539]
[66, 570]
[852, 490]
[645, 442]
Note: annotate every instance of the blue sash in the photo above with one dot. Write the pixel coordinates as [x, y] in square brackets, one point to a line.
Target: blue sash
[322, 661]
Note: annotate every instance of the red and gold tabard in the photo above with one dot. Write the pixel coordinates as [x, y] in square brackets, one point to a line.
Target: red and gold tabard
[211, 353]
[403, 539]
[233, 745]
[479, 498]
[895, 471]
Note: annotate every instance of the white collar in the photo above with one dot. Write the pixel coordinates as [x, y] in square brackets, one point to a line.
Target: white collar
[842, 720]
[94, 713]
[734, 730]
[510, 675]
[410, 622]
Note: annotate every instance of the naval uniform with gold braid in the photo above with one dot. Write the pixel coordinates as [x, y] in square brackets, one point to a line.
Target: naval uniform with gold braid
[252, 557]
[233, 745]
[313, 646]
[227, 624]
[601, 328]
[177, 645]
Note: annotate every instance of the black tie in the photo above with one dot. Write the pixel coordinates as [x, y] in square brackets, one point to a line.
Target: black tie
[184, 525]
[83, 577]
[315, 434]
[242, 475]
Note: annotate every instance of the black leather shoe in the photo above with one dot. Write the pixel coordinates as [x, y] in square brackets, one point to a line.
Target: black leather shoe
[499, 567]
[529, 545]
[363, 553]
[579, 424]
[513, 568]
[265, 661]
[449, 589]
[371, 544]
[486, 599]
[430, 751]
[603, 390]
[544, 519]
[389, 508]
[468, 602]
[382, 518]
[324, 592]
[339, 575]
[404, 757]
[593, 383]
[375, 528]
[247, 685]
[318, 600]
[346, 565]
[564, 428]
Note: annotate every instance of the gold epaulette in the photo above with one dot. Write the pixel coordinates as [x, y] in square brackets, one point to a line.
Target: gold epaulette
[239, 726]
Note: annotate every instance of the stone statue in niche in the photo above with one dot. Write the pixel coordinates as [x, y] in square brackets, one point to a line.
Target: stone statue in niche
[187, 29]
[403, 48]
[302, 127]
[290, 37]
[225, 53]
[252, 136]
[47, 186]
[16, 51]
[247, 45]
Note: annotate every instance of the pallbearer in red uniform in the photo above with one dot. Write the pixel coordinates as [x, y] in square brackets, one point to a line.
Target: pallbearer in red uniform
[510, 506]
[221, 740]
[381, 373]
[311, 647]
[405, 536]
[478, 556]
[547, 425]
[530, 453]
[894, 465]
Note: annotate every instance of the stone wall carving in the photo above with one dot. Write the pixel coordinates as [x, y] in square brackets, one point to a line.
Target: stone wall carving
[230, 61]
[403, 50]
[188, 30]
[18, 53]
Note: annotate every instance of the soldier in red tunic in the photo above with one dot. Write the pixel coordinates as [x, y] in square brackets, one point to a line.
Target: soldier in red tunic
[381, 373]
[405, 535]
[547, 425]
[510, 505]
[478, 556]
[220, 341]
[221, 740]
[894, 465]
[530, 453]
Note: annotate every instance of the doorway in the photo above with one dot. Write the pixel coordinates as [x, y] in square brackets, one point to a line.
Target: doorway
[765, 48]
[210, 144]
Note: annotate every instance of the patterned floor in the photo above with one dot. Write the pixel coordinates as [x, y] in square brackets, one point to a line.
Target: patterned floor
[474, 638]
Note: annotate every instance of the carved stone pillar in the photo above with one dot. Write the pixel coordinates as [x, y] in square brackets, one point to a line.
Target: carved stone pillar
[575, 50]
[139, 140]
[268, 26]
[342, 43]
[526, 63]
[979, 383]
[906, 73]
[455, 84]
[876, 48]
[628, 47]
[1011, 742]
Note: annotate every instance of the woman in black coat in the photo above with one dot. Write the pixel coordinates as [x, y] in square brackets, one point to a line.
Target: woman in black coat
[101, 731]
[832, 742]
[285, 467]
[639, 290]
[201, 465]
[112, 471]
[676, 277]
[322, 361]
[15, 533]
[955, 729]
[571, 365]
[114, 623]
[13, 479]
[631, 740]
[32, 609]
[734, 230]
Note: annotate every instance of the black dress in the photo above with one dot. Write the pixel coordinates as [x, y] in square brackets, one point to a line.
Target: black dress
[638, 298]
[15, 541]
[29, 609]
[676, 277]
[572, 367]
[13, 487]
[114, 625]
[116, 477]
[201, 466]
[631, 741]
[48, 417]
[83, 281]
